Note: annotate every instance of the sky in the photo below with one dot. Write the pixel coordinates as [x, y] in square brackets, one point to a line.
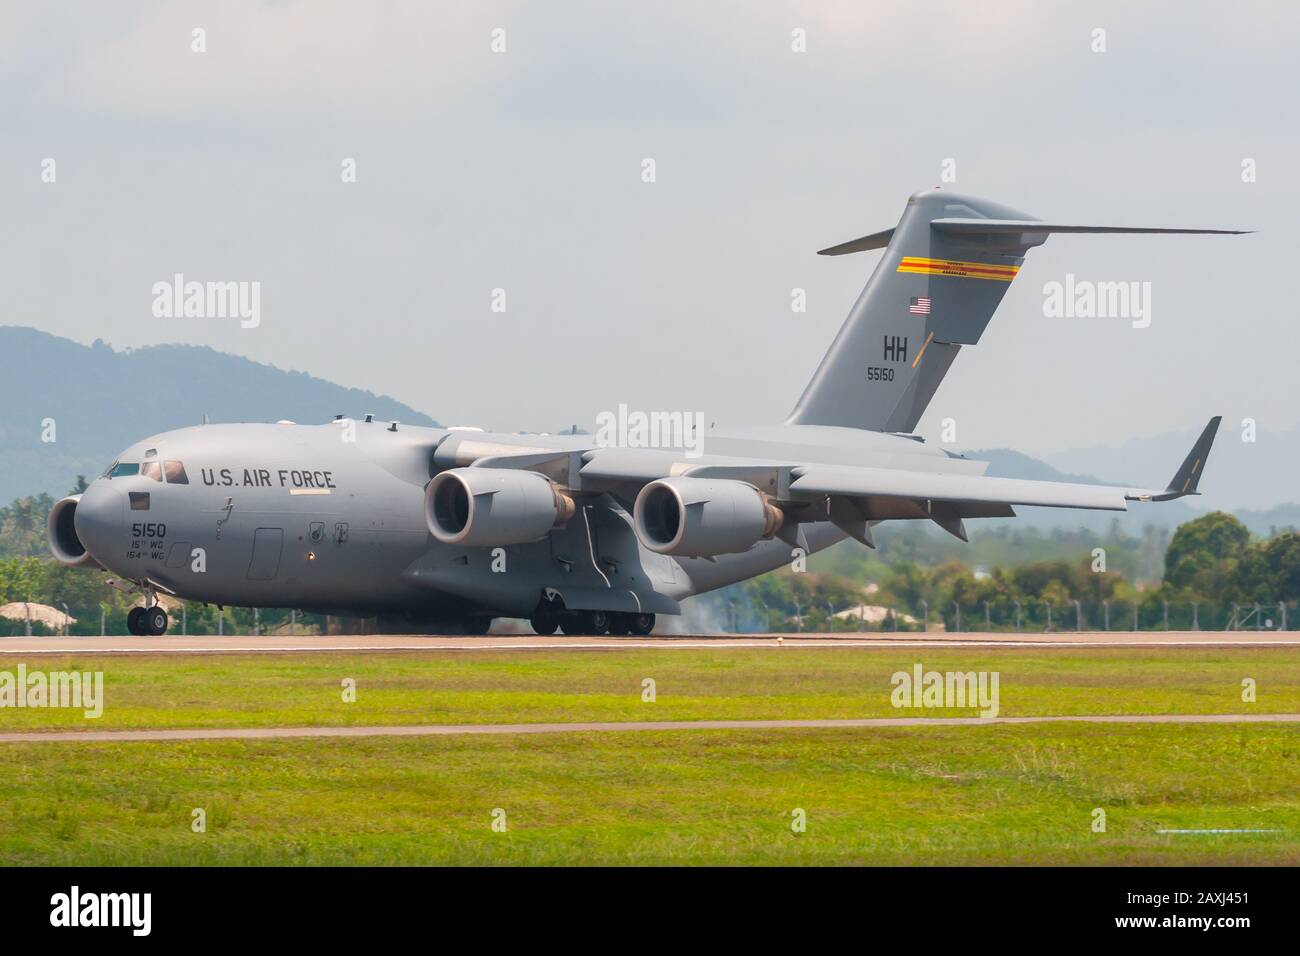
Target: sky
[481, 169]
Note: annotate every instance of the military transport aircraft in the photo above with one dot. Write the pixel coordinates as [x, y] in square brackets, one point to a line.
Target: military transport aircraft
[445, 528]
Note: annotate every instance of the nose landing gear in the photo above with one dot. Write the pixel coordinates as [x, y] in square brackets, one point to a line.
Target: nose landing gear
[147, 621]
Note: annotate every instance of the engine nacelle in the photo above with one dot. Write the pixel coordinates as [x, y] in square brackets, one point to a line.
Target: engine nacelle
[487, 507]
[61, 532]
[701, 517]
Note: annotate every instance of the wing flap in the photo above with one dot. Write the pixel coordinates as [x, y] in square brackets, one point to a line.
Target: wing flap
[819, 480]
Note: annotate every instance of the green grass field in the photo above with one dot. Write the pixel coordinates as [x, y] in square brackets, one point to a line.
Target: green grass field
[901, 796]
[941, 795]
[511, 687]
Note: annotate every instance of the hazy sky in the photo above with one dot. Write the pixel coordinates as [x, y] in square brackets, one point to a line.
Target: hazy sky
[522, 170]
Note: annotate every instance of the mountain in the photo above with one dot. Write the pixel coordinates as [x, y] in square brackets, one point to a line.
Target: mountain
[102, 400]
[1240, 473]
[1005, 463]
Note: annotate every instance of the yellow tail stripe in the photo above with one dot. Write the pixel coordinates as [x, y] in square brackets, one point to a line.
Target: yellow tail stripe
[962, 270]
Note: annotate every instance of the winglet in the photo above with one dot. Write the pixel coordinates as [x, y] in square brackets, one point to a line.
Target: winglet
[1188, 475]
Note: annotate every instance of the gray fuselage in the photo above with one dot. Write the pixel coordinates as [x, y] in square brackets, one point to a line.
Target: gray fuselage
[332, 518]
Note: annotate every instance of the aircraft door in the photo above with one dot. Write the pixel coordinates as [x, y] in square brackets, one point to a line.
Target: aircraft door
[267, 545]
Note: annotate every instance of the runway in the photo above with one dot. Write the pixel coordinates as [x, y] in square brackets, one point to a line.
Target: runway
[251, 644]
[455, 730]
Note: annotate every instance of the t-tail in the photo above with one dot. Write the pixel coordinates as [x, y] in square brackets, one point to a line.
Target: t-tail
[945, 268]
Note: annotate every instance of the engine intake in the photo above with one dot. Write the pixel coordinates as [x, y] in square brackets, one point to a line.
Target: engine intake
[61, 532]
[487, 507]
[701, 517]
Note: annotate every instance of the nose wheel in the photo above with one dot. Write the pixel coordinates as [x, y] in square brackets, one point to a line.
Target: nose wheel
[147, 621]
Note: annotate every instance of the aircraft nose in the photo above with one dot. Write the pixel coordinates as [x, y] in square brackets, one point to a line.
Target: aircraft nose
[98, 520]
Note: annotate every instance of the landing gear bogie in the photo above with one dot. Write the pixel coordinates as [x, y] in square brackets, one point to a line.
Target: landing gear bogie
[589, 623]
[629, 623]
[546, 620]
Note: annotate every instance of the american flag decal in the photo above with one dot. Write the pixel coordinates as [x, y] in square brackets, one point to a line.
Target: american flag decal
[920, 305]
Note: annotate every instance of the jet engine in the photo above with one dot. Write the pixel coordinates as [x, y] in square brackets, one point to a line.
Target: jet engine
[701, 517]
[487, 507]
[62, 533]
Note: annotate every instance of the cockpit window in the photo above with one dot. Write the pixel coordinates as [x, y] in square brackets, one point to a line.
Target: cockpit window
[152, 469]
[175, 472]
[123, 469]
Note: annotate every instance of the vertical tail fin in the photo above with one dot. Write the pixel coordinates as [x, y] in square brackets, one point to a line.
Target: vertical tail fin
[945, 268]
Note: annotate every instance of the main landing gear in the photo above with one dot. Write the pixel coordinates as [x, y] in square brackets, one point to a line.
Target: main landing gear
[545, 621]
[147, 621]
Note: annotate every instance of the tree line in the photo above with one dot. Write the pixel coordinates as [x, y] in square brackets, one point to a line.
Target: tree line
[1210, 564]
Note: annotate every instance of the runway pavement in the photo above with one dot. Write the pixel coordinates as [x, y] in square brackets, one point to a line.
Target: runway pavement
[242, 644]
[448, 730]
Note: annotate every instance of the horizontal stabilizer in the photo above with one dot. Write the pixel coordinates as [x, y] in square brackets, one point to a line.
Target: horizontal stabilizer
[1010, 226]
[994, 227]
[877, 240]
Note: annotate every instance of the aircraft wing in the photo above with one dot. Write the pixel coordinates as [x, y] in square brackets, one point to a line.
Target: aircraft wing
[855, 496]
[872, 482]
[866, 482]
